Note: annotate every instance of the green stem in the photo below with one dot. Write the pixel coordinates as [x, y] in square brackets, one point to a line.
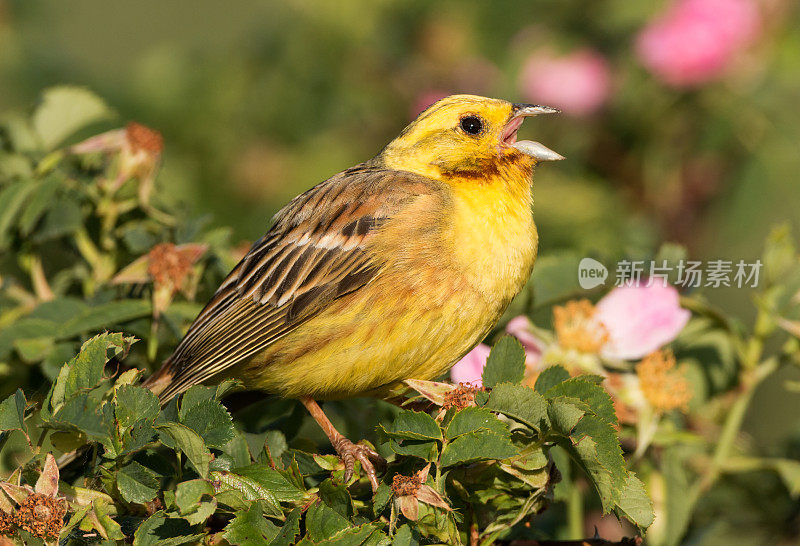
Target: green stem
[575, 516]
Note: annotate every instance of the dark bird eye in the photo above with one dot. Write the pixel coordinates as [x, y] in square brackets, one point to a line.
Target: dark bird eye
[472, 125]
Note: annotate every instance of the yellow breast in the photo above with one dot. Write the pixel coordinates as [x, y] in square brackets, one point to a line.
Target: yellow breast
[474, 247]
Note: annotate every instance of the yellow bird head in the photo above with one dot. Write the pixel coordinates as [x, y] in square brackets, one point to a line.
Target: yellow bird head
[467, 136]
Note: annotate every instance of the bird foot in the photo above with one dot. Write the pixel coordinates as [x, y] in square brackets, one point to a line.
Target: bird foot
[350, 453]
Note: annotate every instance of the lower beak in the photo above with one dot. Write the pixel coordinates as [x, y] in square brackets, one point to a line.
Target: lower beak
[536, 150]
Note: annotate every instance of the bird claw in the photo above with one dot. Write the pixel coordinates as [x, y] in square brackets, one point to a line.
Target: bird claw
[350, 453]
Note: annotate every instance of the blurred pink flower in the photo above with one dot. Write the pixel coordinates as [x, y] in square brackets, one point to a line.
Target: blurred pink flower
[640, 319]
[696, 40]
[578, 83]
[521, 328]
[470, 368]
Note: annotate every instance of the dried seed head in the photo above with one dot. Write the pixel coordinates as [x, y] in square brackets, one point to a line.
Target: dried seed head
[143, 138]
[462, 396]
[6, 523]
[405, 486]
[167, 265]
[664, 386]
[577, 328]
[41, 515]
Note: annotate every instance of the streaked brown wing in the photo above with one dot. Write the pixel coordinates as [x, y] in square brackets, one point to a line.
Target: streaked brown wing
[314, 253]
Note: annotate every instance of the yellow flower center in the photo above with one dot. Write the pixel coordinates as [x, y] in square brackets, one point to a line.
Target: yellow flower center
[662, 385]
[577, 328]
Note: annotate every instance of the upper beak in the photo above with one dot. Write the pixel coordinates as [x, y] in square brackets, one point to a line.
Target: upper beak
[536, 150]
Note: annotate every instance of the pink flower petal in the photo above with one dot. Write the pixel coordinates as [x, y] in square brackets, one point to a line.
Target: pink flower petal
[470, 368]
[578, 83]
[696, 40]
[521, 328]
[640, 319]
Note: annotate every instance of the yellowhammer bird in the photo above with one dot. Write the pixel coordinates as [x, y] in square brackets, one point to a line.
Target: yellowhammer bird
[390, 270]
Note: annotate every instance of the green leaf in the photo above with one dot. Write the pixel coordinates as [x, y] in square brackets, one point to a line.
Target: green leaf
[12, 199]
[104, 316]
[405, 536]
[65, 110]
[280, 486]
[506, 363]
[594, 444]
[162, 530]
[322, 522]
[134, 404]
[414, 425]
[521, 403]
[290, 529]
[248, 489]
[34, 349]
[550, 377]
[137, 483]
[591, 393]
[189, 493]
[337, 497]
[635, 505]
[27, 328]
[43, 199]
[564, 413]
[65, 219]
[424, 449]
[190, 443]
[250, 528]
[85, 371]
[477, 446]
[472, 420]
[12, 412]
[211, 421]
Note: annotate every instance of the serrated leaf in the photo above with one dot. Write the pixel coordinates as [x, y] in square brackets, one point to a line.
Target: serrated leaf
[190, 443]
[424, 449]
[598, 400]
[12, 412]
[477, 446]
[289, 530]
[211, 421]
[273, 481]
[414, 425]
[564, 413]
[137, 483]
[162, 530]
[337, 497]
[521, 403]
[550, 377]
[65, 110]
[249, 489]
[189, 493]
[134, 404]
[635, 505]
[322, 522]
[506, 363]
[250, 528]
[472, 420]
[594, 444]
[405, 536]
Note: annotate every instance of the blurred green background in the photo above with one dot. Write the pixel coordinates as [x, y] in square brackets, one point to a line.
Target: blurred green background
[260, 100]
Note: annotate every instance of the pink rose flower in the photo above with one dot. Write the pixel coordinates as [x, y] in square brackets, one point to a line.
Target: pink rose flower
[470, 368]
[640, 319]
[578, 83]
[695, 41]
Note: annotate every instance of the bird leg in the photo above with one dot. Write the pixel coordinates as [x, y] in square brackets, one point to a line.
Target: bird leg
[347, 450]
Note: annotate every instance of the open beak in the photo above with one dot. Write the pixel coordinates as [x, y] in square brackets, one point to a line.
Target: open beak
[536, 150]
